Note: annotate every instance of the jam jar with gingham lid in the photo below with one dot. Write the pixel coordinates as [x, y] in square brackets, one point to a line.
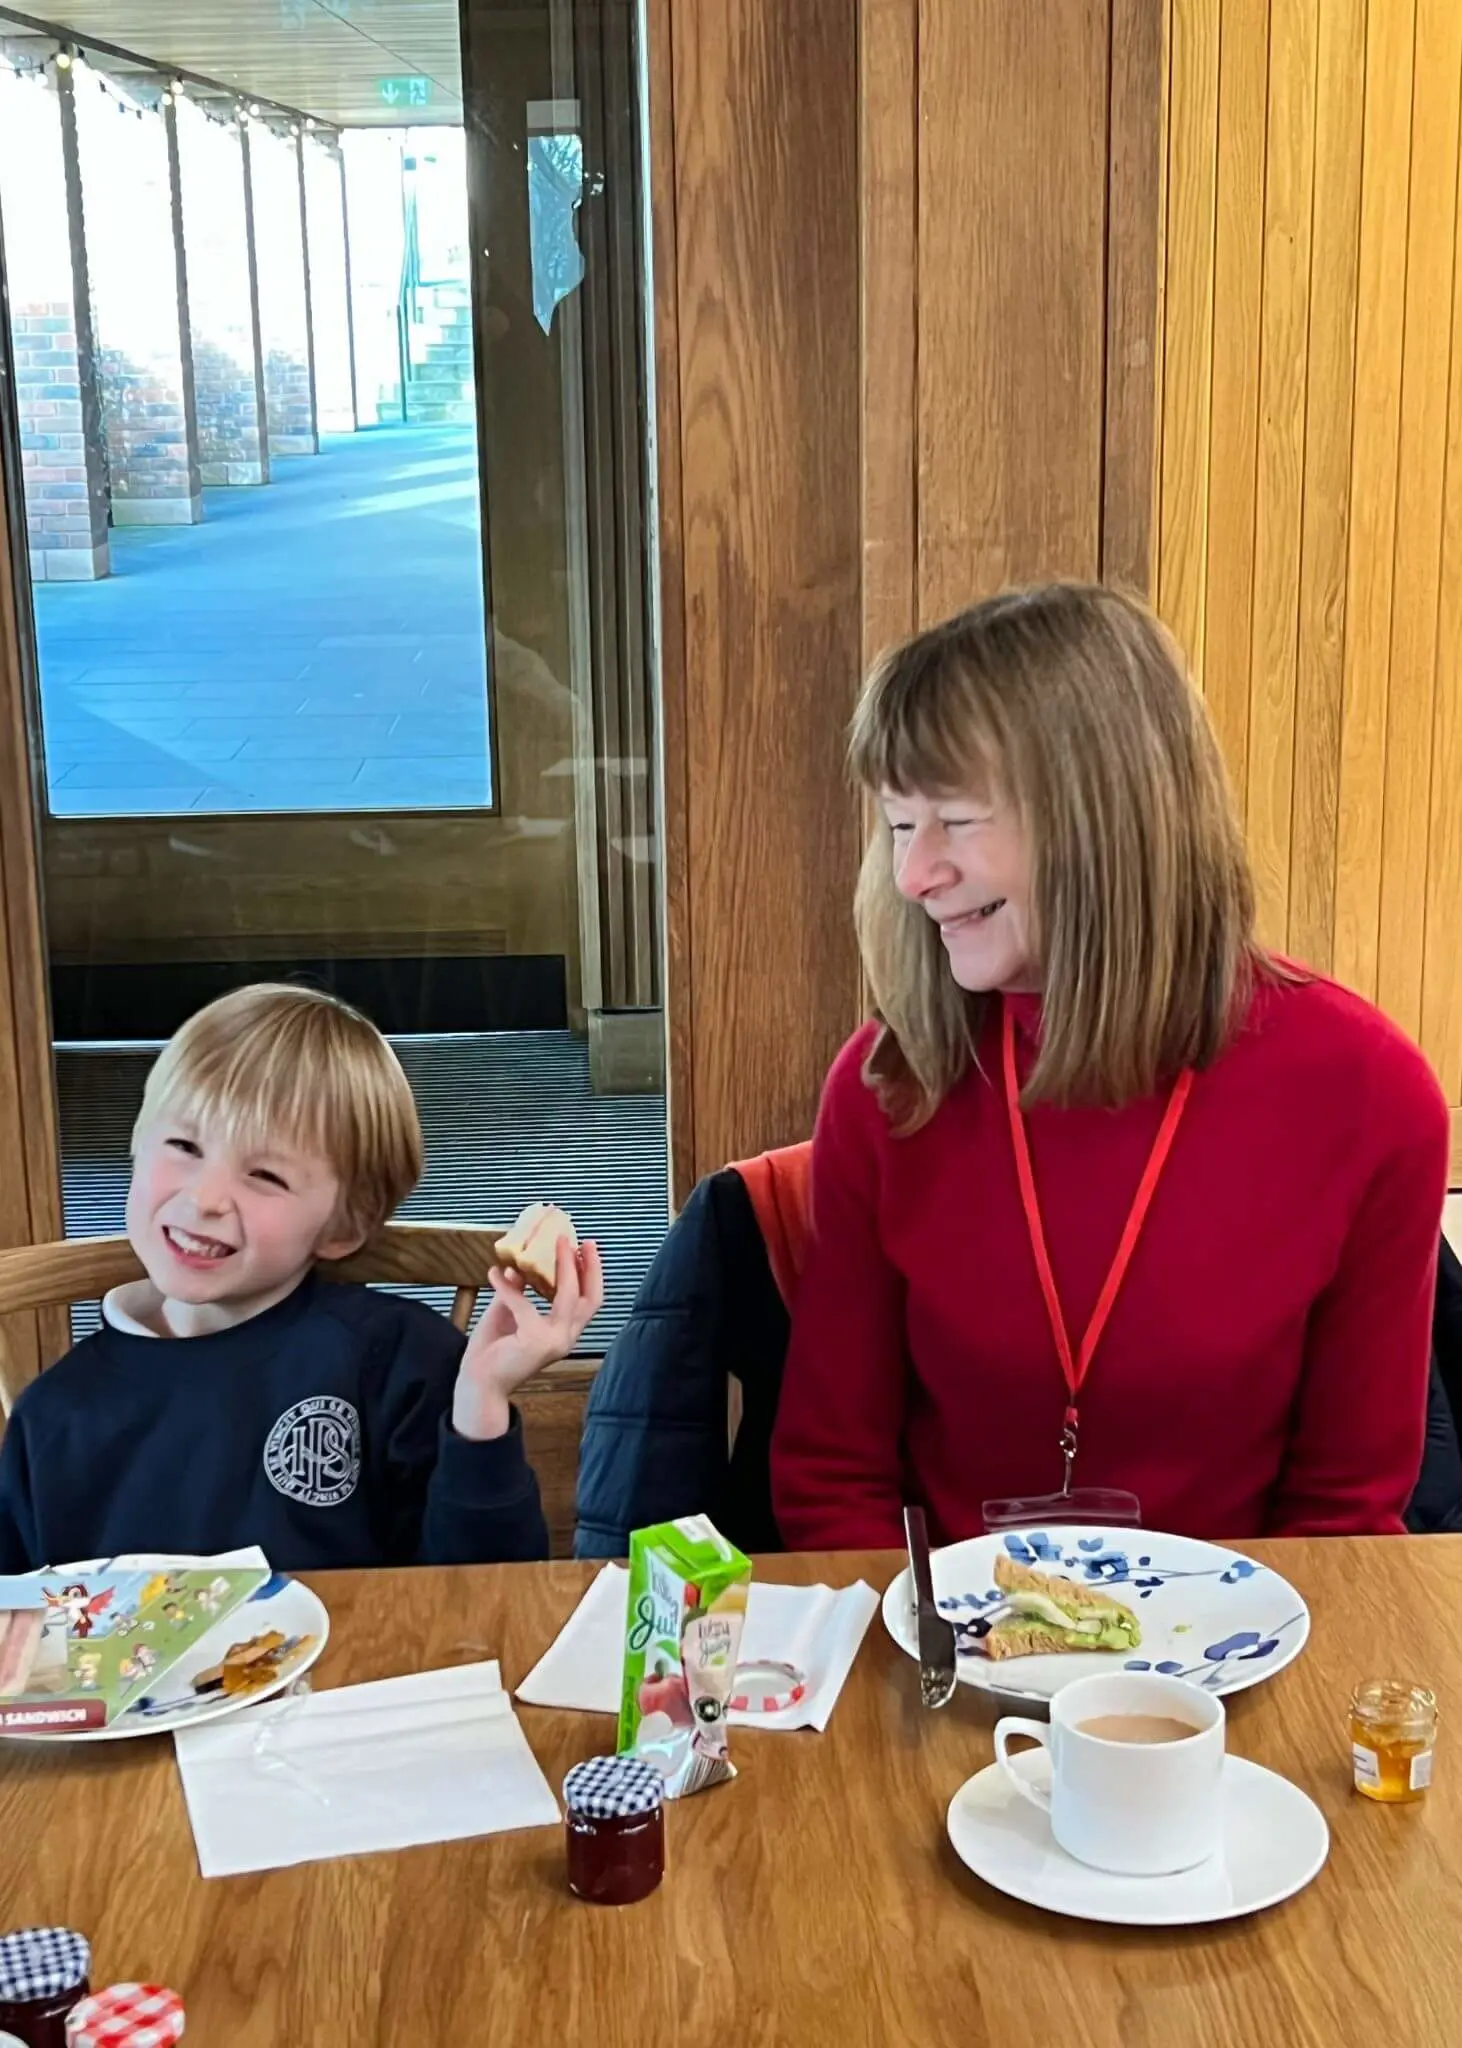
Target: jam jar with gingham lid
[127, 2016]
[614, 1821]
[43, 1974]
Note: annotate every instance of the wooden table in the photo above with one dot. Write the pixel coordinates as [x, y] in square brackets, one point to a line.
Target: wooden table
[815, 1901]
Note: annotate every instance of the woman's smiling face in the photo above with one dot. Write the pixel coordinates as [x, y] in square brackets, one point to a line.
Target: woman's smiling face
[966, 861]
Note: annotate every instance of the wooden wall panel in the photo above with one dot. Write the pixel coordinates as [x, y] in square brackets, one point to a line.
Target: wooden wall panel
[888, 183]
[1284, 336]
[888, 100]
[1012, 180]
[1310, 551]
[1136, 208]
[1013, 193]
[1227, 566]
[1385, 176]
[1425, 367]
[1329, 417]
[669, 574]
[30, 1170]
[1182, 569]
[1441, 991]
[765, 180]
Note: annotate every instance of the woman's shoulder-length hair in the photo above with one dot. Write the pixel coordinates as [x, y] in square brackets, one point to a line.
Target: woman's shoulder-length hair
[1072, 703]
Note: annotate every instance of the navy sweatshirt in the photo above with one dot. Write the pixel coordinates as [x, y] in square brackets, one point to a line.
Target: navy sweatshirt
[320, 1430]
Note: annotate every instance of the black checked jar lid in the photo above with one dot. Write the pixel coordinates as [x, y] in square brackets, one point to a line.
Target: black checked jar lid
[613, 1788]
[42, 1962]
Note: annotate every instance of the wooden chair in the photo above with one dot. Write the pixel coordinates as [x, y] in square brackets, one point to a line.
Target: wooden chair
[456, 1255]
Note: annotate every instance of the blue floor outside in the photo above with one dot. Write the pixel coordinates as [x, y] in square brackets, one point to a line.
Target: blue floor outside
[314, 644]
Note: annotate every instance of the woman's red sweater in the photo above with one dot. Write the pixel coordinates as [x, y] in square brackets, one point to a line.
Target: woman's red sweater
[1264, 1370]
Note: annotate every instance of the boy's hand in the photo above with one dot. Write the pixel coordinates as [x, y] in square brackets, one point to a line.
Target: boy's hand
[515, 1339]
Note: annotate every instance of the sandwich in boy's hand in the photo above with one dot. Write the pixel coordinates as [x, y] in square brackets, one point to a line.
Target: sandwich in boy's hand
[531, 1246]
[1048, 1615]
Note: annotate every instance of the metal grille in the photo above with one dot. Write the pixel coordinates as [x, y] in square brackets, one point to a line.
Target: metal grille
[509, 1118]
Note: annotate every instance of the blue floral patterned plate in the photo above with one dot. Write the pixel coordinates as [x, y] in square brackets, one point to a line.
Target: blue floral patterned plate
[1206, 1614]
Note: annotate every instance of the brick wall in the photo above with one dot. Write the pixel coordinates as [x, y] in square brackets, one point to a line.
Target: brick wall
[64, 516]
[284, 316]
[140, 308]
[63, 475]
[228, 377]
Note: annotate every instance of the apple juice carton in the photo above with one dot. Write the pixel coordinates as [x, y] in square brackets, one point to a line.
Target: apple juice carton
[687, 1607]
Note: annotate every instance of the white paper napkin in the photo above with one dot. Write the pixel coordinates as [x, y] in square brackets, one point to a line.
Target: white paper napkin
[817, 1628]
[433, 1757]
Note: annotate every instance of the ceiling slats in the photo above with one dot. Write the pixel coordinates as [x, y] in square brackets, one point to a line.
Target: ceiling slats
[334, 59]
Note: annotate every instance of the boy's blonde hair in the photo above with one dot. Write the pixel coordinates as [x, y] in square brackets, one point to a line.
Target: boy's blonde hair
[1073, 703]
[275, 1064]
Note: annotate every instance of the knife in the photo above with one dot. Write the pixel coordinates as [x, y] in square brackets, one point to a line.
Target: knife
[936, 1635]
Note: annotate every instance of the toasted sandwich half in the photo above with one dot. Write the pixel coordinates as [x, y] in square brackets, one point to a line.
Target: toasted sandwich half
[1049, 1615]
[531, 1246]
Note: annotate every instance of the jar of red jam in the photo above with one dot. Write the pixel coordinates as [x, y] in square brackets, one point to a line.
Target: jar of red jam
[127, 2016]
[614, 1820]
[43, 1973]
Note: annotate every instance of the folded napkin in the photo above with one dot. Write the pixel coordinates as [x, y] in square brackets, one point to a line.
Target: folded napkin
[817, 1628]
[429, 1758]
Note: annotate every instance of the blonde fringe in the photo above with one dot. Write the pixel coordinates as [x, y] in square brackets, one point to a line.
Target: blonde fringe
[274, 1064]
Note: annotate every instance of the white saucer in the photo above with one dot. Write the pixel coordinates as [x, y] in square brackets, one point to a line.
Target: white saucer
[1274, 1841]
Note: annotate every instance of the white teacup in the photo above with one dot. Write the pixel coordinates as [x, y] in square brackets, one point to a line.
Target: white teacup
[1142, 1809]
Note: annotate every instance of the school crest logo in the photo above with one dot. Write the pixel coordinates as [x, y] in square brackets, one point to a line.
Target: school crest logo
[313, 1452]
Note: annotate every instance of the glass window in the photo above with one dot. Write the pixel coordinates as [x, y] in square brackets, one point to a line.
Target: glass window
[329, 368]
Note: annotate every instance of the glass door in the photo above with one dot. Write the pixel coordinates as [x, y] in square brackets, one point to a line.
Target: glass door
[327, 421]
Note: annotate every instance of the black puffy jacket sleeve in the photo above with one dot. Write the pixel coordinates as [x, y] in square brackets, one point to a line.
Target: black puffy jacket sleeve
[656, 1435]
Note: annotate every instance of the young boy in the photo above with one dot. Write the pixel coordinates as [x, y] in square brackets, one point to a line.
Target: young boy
[234, 1396]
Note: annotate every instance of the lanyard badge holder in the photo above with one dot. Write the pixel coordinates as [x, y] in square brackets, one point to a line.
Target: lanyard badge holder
[1112, 1505]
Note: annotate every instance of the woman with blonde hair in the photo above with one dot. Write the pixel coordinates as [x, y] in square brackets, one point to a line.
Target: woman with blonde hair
[1107, 1197]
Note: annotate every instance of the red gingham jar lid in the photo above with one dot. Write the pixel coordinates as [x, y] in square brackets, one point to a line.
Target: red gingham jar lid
[126, 2016]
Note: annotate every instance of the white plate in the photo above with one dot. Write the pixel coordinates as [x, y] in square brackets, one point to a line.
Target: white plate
[1206, 1613]
[1274, 1841]
[280, 1603]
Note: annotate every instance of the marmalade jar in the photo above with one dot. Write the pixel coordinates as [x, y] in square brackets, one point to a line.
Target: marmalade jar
[1393, 1732]
[614, 1826]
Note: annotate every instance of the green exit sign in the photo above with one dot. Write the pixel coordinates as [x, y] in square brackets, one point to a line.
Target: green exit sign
[406, 92]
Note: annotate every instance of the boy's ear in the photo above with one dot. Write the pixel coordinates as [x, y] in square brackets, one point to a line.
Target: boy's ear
[339, 1242]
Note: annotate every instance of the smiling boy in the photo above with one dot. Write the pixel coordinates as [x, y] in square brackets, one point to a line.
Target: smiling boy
[234, 1396]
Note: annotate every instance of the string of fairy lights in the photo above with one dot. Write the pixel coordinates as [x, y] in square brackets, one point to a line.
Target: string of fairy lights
[214, 104]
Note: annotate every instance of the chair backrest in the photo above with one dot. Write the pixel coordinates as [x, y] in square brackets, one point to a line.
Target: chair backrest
[456, 1255]
[779, 1186]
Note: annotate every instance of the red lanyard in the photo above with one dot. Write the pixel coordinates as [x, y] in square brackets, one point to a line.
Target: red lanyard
[1075, 1367]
